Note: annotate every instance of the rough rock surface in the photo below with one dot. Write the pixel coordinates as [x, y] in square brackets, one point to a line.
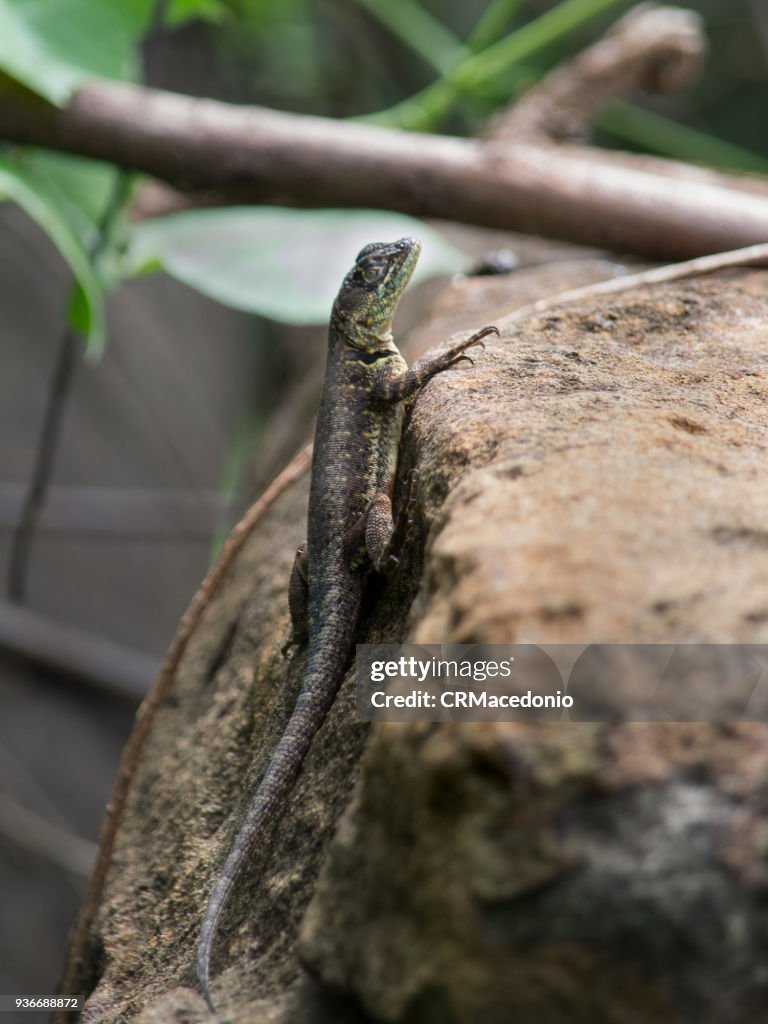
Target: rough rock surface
[604, 874]
[597, 476]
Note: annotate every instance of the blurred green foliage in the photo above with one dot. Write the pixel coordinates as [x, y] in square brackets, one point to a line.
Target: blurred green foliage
[419, 64]
[51, 48]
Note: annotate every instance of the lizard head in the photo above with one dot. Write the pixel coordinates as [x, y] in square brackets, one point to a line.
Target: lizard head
[370, 292]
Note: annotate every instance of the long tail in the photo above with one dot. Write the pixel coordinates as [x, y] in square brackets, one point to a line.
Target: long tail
[318, 692]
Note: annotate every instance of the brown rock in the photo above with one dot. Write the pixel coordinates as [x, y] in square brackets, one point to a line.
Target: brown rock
[557, 874]
[597, 476]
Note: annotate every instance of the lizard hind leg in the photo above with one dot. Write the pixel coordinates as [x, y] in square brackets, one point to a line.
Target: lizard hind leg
[298, 597]
[385, 536]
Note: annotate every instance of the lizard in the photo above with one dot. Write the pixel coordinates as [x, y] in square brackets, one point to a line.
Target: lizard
[351, 529]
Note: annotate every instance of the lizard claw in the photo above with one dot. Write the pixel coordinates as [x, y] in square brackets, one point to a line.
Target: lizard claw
[476, 339]
[462, 358]
[289, 644]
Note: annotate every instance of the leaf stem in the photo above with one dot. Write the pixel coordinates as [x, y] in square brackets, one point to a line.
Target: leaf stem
[420, 31]
[493, 23]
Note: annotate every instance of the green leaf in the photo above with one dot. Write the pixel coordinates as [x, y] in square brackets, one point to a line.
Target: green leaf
[53, 46]
[87, 312]
[92, 197]
[81, 188]
[179, 12]
[284, 264]
[657, 134]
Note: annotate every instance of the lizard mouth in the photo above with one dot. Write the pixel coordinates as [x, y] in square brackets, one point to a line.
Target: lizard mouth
[402, 259]
[407, 252]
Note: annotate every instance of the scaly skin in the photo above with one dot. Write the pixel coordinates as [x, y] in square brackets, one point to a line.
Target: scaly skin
[350, 526]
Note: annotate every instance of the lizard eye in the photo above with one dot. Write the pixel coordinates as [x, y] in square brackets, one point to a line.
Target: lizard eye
[372, 272]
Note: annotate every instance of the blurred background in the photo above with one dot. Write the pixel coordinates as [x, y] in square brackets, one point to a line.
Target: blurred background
[140, 412]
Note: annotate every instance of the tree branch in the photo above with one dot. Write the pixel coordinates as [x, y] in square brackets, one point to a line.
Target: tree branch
[652, 49]
[263, 156]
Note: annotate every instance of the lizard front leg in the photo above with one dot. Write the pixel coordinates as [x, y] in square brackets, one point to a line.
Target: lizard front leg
[391, 386]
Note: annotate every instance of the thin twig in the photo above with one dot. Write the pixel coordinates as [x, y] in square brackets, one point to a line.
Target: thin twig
[45, 457]
[751, 255]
